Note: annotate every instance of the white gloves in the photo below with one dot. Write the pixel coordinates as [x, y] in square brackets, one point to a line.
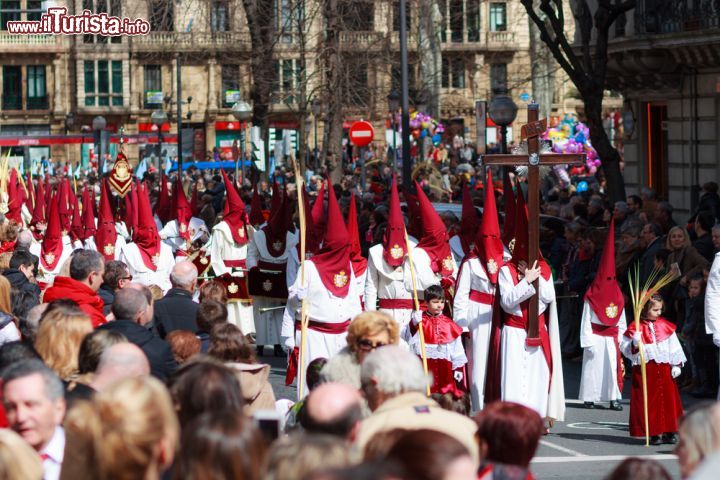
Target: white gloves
[675, 372]
[637, 336]
[289, 344]
[716, 341]
[416, 317]
[458, 376]
[299, 292]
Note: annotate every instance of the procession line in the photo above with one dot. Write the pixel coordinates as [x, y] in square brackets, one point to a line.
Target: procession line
[575, 453]
[602, 458]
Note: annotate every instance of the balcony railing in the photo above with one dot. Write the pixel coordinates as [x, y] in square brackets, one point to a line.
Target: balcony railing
[10, 42]
[675, 16]
[192, 40]
[360, 39]
[501, 40]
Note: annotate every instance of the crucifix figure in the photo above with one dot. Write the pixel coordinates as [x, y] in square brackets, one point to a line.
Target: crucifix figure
[533, 159]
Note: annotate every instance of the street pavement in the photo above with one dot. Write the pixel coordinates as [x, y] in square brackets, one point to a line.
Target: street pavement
[588, 445]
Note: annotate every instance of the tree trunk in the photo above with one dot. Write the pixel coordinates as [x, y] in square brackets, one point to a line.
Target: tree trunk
[608, 154]
[334, 69]
[430, 56]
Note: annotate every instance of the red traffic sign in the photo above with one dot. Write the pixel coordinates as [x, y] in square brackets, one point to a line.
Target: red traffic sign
[361, 133]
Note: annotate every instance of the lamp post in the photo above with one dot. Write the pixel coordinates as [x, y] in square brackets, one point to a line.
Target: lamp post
[98, 125]
[308, 126]
[502, 111]
[316, 110]
[159, 118]
[393, 103]
[242, 111]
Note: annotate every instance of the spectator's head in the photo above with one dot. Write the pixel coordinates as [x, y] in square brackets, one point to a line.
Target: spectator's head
[209, 314]
[334, 409]
[453, 402]
[23, 301]
[432, 455]
[117, 275]
[677, 239]
[699, 437]
[704, 222]
[184, 276]
[388, 372]
[128, 430]
[647, 193]
[24, 240]
[184, 345]
[221, 444]
[663, 213]
[696, 285]
[156, 293]
[59, 338]
[639, 469]
[298, 455]
[34, 401]
[621, 211]
[120, 361]
[313, 372]
[370, 330]
[131, 304]
[595, 205]
[23, 260]
[204, 386]
[572, 232]
[213, 290]
[88, 267]
[508, 433]
[710, 187]
[18, 461]
[378, 470]
[12, 352]
[29, 325]
[228, 344]
[649, 232]
[93, 346]
[635, 203]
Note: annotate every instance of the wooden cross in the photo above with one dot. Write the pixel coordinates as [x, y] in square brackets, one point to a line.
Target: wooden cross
[533, 159]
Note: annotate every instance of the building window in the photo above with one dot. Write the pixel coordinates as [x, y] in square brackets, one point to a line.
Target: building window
[230, 85]
[36, 91]
[356, 16]
[9, 12]
[289, 16]
[396, 16]
[112, 8]
[356, 91]
[498, 76]
[453, 72]
[498, 17]
[472, 15]
[103, 83]
[219, 18]
[34, 10]
[153, 86]
[162, 15]
[288, 74]
[12, 88]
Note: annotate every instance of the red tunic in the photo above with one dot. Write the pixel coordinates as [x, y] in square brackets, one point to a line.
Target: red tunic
[440, 330]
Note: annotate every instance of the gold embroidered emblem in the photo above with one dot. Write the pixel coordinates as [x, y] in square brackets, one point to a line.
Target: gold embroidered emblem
[203, 260]
[156, 259]
[49, 258]
[233, 288]
[278, 245]
[109, 249]
[340, 279]
[447, 264]
[396, 251]
[267, 285]
[611, 311]
[492, 266]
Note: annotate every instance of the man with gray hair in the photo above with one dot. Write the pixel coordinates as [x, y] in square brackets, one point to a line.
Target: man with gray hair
[118, 362]
[34, 402]
[133, 314]
[177, 310]
[394, 384]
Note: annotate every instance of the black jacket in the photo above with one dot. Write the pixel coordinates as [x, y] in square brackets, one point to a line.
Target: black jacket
[162, 362]
[175, 311]
[19, 281]
[704, 246]
[108, 296]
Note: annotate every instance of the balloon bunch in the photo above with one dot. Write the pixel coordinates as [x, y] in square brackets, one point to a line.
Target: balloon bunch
[571, 136]
[423, 125]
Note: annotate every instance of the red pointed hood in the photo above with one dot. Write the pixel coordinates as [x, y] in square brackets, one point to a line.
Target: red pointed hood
[88, 203]
[183, 211]
[131, 207]
[435, 237]
[318, 214]
[415, 227]
[15, 199]
[522, 242]
[52, 245]
[488, 244]
[195, 201]
[394, 246]
[65, 206]
[276, 200]
[39, 213]
[333, 259]
[77, 229]
[106, 235]
[256, 215]
[235, 214]
[470, 222]
[311, 239]
[359, 262]
[277, 228]
[510, 213]
[146, 236]
[604, 295]
[164, 203]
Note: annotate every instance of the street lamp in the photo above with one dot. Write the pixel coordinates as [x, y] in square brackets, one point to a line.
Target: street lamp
[502, 111]
[98, 125]
[316, 111]
[242, 111]
[393, 103]
[159, 118]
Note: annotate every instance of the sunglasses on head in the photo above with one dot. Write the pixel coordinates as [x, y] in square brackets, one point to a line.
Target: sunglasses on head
[366, 344]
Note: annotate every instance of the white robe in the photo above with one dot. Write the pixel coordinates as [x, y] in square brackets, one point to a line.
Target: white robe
[171, 233]
[141, 273]
[267, 324]
[599, 382]
[384, 281]
[477, 318]
[424, 275]
[323, 307]
[222, 248]
[119, 244]
[712, 303]
[525, 374]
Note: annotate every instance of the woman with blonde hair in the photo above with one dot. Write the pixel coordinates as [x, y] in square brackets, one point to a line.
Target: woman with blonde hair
[366, 332]
[684, 254]
[698, 437]
[18, 460]
[59, 338]
[128, 431]
[9, 331]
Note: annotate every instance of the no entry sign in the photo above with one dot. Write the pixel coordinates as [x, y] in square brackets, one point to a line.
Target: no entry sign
[361, 133]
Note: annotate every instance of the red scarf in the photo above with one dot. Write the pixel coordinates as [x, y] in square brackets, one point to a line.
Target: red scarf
[663, 329]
